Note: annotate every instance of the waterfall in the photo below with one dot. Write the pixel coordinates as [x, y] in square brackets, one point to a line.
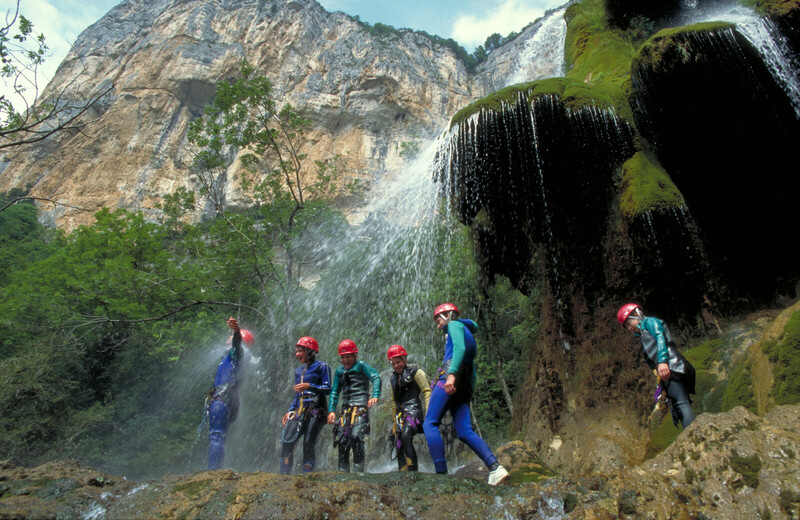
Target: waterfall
[762, 33]
[377, 283]
[543, 54]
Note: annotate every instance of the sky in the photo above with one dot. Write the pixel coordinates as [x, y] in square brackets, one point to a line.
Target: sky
[469, 22]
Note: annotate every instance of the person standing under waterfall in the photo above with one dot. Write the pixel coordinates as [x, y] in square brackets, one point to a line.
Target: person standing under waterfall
[306, 415]
[453, 392]
[411, 394]
[675, 375]
[223, 400]
[352, 381]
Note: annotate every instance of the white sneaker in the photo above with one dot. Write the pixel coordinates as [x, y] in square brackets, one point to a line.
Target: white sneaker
[497, 476]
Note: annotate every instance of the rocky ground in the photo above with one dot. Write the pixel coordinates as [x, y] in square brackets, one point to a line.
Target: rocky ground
[730, 465]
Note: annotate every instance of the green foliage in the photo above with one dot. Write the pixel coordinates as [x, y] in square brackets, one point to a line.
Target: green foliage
[784, 355]
[22, 50]
[740, 390]
[409, 150]
[512, 326]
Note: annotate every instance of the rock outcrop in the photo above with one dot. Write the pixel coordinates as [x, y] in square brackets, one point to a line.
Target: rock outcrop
[731, 465]
[365, 91]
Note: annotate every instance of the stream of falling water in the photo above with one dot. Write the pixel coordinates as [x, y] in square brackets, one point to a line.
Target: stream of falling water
[762, 33]
[377, 284]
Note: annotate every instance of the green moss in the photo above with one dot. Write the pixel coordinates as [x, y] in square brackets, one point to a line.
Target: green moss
[570, 501]
[598, 61]
[747, 467]
[690, 475]
[710, 388]
[668, 45]
[530, 473]
[646, 187]
[493, 101]
[740, 390]
[785, 357]
[594, 51]
[787, 498]
[773, 8]
[192, 488]
[663, 435]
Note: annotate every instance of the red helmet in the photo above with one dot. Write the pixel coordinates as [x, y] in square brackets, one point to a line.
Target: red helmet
[625, 311]
[348, 346]
[247, 337]
[445, 307]
[395, 351]
[308, 342]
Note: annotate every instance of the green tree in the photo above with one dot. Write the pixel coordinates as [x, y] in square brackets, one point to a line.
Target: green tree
[22, 52]
[289, 196]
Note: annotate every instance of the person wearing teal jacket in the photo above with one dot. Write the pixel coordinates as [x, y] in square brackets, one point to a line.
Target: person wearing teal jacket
[351, 381]
[453, 391]
[676, 376]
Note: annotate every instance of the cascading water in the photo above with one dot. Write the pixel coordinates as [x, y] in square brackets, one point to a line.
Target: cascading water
[378, 283]
[543, 54]
[762, 33]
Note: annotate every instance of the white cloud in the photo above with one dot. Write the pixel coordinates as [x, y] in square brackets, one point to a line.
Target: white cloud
[511, 15]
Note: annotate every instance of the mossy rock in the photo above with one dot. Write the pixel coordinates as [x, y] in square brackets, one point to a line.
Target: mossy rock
[646, 187]
[574, 94]
[671, 45]
[777, 8]
[784, 355]
[740, 390]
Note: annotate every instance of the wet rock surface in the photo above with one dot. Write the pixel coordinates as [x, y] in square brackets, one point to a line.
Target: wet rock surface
[729, 465]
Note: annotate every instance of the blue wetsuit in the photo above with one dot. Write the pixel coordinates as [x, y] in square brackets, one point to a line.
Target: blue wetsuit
[658, 347]
[459, 359]
[309, 418]
[224, 403]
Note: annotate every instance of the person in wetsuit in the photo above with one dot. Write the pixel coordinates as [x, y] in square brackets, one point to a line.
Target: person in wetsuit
[453, 391]
[411, 393]
[676, 376]
[306, 415]
[352, 380]
[223, 400]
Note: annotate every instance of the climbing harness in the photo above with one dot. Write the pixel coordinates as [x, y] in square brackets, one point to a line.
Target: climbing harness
[343, 427]
[395, 442]
[295, 418]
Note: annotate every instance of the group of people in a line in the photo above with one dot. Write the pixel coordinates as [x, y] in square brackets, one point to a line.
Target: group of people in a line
[344, 399]
[417, 407]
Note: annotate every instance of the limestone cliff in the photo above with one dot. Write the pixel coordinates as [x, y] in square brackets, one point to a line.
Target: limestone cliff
[365, 91]
[365, 94]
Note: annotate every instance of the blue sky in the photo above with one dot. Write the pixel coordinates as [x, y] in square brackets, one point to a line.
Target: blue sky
[468, 22]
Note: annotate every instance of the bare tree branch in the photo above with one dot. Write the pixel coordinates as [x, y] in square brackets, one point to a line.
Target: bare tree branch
[42, 199]
[106, 319]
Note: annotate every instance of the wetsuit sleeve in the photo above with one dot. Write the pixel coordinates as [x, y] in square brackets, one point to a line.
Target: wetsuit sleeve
[236, 346]
[335, 390]
[324, 385]
[375, 377]
[455, 329]
[422, 382]
[296, 400]
[656, 329]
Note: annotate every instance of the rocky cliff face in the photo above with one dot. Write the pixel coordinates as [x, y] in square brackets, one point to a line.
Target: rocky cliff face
[365, 94]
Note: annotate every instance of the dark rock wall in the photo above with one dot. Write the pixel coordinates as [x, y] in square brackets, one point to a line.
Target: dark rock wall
[538, 179]
[725, 132]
